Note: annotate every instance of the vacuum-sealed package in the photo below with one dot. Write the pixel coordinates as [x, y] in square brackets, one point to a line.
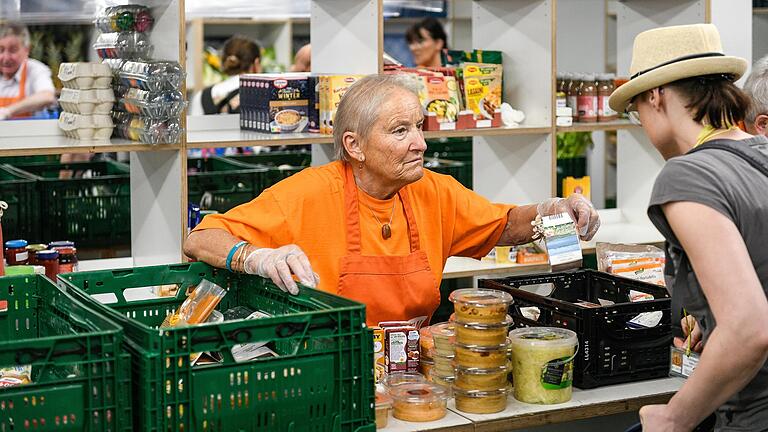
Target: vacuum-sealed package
[154, 75]
[125, 45]
[125, 18]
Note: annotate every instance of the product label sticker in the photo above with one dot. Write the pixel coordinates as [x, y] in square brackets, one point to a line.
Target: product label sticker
[561, 240]
[680, 364]
[397, 344]
[557, 374]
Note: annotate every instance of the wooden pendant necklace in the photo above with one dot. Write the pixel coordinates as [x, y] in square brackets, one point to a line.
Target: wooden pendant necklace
[386, 229]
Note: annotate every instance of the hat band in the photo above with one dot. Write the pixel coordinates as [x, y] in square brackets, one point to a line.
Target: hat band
[679, 59]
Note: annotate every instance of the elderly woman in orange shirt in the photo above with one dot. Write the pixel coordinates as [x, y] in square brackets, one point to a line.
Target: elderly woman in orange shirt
[374, 225]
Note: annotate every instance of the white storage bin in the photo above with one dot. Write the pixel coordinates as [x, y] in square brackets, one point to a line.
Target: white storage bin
[86, 127]
[85, 75]
[94, 101]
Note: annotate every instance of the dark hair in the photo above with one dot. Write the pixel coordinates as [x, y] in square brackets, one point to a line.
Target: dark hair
[238, 54]
[714, 99]
[432, 26]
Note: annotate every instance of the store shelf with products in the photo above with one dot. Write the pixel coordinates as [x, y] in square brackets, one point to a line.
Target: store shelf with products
[600, 126]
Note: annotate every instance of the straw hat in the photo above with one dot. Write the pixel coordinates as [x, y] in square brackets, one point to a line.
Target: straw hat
[667, 54]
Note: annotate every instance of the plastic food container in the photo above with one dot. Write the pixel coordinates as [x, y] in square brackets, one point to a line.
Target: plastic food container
[124, 45]
[419, 402]
[542, 364]
[426, 342]
[85, 75]
[444, 337]
[383, 405]
[443, 365]
[446, 382]
[153, 75]
[158, 105]
[482, 357]
[426, 366]
[483, 334]
[145, 129]
[481, 379]
[92, 101]
[86, 127]
[398, 378]
[480, 305]
[481, 402]
[125, 18]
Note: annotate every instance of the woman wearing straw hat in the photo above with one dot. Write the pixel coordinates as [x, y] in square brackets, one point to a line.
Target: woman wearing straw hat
[710, 202]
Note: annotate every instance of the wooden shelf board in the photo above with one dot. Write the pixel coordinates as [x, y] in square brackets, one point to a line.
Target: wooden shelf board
[52, 144]
[591, 127]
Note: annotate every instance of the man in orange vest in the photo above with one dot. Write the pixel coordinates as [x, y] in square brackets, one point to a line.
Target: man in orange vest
[25, 83]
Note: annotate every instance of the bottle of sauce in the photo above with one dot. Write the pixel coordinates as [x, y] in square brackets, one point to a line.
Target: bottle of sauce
[560, 96]
[572, 92]
[605, 86]
[587, 100]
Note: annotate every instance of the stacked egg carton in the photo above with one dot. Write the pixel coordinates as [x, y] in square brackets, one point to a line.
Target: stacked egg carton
[148, 94]
[481, 363]
[86, 101]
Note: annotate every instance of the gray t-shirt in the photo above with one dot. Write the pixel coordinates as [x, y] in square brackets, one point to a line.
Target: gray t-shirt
[729, 184]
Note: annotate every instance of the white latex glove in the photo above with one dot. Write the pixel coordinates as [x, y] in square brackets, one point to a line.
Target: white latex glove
[4, 113]
[579, 208]
[280, 264]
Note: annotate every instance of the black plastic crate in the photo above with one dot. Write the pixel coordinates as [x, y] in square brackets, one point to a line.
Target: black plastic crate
[611, 351]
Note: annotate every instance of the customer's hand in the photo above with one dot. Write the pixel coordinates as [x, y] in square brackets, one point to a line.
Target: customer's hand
[280, 265]
[581, 210]
[659, 418]
[692, 331]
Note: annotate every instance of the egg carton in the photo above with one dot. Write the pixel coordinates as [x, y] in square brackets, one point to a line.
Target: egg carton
[86, 127]
[124, 45]
[95, 101]
[157, 105]
[155, 75]
[85, 75]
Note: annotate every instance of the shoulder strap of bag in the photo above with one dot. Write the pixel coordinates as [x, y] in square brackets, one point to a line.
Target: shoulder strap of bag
[754, 157]
[227, 99]
[206, 100]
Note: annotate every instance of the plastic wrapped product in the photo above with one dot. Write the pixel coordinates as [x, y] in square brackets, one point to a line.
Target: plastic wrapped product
[85, 76]
[542, 364]
[198, 306]
[124, 18]
[482, 334]
[481, 402]
[86, 127]
[157, 105]
[124, 45]
[145, 129]
[480, 305]
[419, 402]
[95, 101]
[152, 75]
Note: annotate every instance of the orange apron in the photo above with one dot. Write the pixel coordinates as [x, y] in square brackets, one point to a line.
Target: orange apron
[393, 288]
[6, 101]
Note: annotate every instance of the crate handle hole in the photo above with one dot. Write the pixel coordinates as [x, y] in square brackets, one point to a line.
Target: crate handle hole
[10, 293]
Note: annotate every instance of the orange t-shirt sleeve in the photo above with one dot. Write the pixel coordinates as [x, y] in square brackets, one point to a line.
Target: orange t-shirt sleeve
[261, 222]
[478, 223]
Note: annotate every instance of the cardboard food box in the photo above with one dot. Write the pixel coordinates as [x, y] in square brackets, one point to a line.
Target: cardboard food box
[334, 88]
[401, 347]
[379, 363]
[275, 103]
[441, 104]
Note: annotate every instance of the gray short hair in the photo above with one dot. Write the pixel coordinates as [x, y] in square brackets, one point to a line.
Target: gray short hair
[15, 29]
[756, 87]
[359, 108]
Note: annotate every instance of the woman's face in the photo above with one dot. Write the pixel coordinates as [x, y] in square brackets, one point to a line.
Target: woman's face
[653, 116]
[424, 51]
[394, 150]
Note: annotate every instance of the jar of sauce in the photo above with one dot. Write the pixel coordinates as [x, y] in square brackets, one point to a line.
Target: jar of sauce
[68, 262]
[605, 87]
[587, 100]
[16, 252]
[33, 249]
[50, 261]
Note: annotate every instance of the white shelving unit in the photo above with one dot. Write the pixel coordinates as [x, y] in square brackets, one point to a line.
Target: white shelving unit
[510, 164]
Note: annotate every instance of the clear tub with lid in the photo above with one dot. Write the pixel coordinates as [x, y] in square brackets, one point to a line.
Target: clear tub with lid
[443, 365]
[483, 357]
[468, 378]
[485, 306]
[483, 334]
[383, 406]
[155, 75]
[481, 401]
[85, 76]
[158, 105]
[92, 101]
[395, 379]
[444, 336]
[123, 45]
[16, 252]
[419, 402]
[86, 127]
[542, 364]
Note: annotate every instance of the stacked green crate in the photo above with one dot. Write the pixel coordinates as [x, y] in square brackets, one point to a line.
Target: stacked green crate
[21, 218]
[79, 377]
[216, 183]
[322, 379]
[448, 151]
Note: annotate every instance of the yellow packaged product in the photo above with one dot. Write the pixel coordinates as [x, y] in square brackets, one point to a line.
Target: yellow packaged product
[442, 98]
[337, 86]
[13, 376]
[379, 360]
[483, 89]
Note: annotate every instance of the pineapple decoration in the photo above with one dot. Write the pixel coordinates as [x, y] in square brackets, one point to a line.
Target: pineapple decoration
[54, 60]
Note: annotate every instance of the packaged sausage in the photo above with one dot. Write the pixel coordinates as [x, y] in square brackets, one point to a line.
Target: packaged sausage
[198, 305]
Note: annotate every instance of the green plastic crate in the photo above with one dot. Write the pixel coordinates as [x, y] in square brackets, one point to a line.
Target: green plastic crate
[301, 158]
[94, 206]
[458, 149]
[219, 184]
[80, 378]
[21, 218]
[322, 380]
[461, 171]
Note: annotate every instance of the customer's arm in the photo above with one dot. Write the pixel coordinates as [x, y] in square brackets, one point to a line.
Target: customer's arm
[738, 346]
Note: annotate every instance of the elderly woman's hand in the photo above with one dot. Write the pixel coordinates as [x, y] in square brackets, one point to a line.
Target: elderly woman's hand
[581, 210]
[280, 264]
